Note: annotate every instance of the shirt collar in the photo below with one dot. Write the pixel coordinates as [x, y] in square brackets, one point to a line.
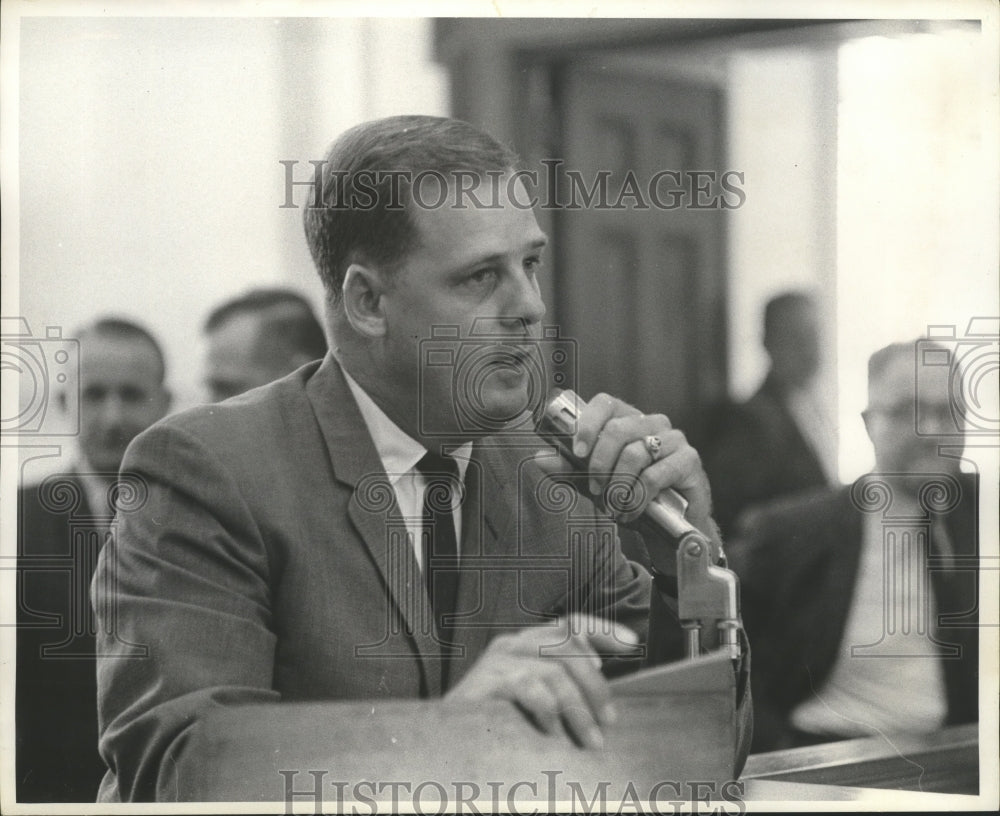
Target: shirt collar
[398, 451]
[97, 490]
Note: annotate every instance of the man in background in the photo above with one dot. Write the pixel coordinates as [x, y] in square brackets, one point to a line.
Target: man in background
[259, 337]
[780, 441]
[860, 626]
[62, 523]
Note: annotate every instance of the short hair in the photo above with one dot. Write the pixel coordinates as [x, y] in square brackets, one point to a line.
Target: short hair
[908, 350]
[120, 328]
[780, 305]
[884, 357]
[374, 163]
[285, 315]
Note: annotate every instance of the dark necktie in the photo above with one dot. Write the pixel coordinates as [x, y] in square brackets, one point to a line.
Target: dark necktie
[440, 546]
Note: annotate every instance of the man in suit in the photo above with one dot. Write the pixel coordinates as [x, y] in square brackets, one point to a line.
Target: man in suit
[61, 525]
[836, 655]
[374, 526]
[780, 441]
[259, 337]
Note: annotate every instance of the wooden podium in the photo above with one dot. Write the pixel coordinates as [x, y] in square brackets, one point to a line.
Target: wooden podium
[676, 724]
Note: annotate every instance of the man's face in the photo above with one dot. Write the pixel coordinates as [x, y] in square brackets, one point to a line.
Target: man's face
[234, 363]
[893, 404]
[120, 396]
[470, 265]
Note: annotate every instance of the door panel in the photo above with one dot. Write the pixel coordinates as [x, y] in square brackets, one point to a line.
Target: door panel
[641, 288]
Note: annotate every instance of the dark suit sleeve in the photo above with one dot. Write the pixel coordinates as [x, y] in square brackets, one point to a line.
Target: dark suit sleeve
[181, 594]
[756, 555]
[619, 590]
[753, 557]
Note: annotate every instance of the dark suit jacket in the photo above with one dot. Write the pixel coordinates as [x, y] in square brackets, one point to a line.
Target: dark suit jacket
[267, 564]
[56, 692]
[798, 561]
[755, 452]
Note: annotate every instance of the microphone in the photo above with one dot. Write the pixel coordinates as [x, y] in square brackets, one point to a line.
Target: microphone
[707, 593]
[558, 426]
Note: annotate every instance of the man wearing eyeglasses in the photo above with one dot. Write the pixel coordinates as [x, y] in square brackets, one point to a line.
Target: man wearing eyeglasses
[861, 602]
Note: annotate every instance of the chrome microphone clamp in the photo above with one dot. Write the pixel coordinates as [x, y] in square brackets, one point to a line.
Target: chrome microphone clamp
[707, 592]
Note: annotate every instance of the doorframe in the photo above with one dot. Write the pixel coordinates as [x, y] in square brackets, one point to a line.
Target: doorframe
[486, 57]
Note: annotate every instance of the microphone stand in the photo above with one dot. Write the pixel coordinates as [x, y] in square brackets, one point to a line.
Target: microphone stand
[708, 603]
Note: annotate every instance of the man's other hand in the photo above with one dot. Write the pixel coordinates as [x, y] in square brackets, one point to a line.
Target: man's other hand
[553, 673]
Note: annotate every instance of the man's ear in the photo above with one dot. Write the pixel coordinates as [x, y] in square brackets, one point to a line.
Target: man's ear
[362, 294]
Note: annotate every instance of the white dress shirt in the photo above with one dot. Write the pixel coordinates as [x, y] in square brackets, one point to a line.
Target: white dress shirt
[903, 689]
[97, 490]
[400, 453]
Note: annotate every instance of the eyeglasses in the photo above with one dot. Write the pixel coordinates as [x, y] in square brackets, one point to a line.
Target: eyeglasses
[940, 413]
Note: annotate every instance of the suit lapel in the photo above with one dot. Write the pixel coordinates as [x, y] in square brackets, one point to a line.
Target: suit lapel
[373, 510]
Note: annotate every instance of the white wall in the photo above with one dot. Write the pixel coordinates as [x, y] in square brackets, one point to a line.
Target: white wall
[917, 204]
[149, 150]
[782, 128]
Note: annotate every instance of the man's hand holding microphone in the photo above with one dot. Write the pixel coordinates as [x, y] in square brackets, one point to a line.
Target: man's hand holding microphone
[564, 686]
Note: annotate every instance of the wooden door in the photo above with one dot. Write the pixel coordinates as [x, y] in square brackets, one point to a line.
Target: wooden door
[641, 287]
